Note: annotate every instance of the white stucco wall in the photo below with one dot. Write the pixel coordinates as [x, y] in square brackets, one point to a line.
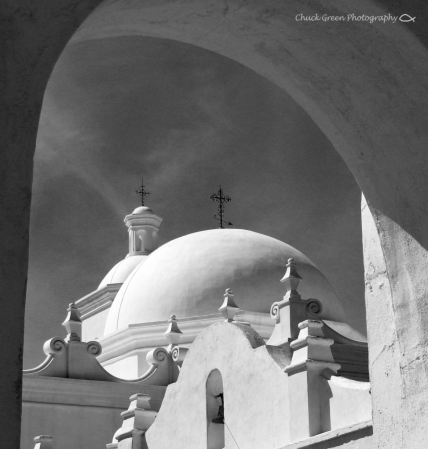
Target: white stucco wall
[393, 357]
[78, 414]
[350, 402]
[256, 391]
[93, 326]
[124, 368]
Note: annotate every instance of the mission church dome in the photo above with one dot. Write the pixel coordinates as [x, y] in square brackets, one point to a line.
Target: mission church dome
[187, 277]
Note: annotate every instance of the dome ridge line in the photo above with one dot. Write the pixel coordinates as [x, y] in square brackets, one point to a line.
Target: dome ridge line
[130, 278]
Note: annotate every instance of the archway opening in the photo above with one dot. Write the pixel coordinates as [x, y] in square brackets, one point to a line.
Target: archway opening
[188, 119]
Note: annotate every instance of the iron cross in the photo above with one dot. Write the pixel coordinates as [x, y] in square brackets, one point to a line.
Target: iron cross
[221, 198]
[142, 192]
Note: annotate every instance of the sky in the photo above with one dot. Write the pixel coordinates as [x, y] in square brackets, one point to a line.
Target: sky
[188, 120]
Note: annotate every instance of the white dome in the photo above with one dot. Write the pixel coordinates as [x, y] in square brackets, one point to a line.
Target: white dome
[142, 210]
[119, 273]
[188, 276]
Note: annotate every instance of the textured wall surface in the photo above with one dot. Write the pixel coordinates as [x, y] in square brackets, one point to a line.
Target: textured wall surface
[396, 267]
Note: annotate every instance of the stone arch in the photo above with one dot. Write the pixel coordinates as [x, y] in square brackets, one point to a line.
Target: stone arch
[365, 87]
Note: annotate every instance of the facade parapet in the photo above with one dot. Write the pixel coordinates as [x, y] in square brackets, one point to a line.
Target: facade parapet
[74, 359]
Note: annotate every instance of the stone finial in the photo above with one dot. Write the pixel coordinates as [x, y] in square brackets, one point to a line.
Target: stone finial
[173, 333]
[291, 277]
[229, 308]
[288, 312]
[73, 324]
[43, 442]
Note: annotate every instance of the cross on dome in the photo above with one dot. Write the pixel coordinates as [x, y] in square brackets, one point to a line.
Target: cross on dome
[142, 192]
[220, 198]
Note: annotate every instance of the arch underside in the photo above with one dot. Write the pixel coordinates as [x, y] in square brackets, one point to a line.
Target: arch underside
[363, 84]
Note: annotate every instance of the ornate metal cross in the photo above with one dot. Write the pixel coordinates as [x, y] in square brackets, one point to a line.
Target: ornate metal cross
[142, 192]
[221, 198]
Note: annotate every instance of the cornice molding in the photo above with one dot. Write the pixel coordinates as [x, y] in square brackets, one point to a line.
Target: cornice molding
[137, 337]
[84, 393]
[97, 301]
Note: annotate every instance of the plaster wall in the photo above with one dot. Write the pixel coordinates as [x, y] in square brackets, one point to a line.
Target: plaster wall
[350, 402]
[93, 326]
[255, 393]
[384, 347]
[365, 86]
[68, 425]
[78, 414]
[262, 408]
[396, 267]
[126, 367]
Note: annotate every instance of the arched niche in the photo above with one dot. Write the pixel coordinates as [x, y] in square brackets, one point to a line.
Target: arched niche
[215, 431]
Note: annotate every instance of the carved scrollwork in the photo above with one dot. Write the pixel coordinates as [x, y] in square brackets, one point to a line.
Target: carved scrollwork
[93, 348]
[274, 311]
[54, 346]
[175, 353]
[157, 356]
[179, 354]
[313, 306]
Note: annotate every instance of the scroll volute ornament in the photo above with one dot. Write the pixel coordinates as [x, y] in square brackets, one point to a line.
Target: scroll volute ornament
[313, 306]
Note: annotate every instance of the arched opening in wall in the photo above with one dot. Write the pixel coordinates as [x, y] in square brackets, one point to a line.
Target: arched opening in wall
[188, 119]
[215, 410]
[141, 239]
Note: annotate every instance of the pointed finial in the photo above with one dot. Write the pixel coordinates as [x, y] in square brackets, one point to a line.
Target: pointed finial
[221, 198]
[142, 192]
[43, 442]
[73, 324]
[291, 278]
[173, 333]
[229, 308]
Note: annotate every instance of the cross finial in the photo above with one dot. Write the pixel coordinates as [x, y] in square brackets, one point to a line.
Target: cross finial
[221, 198]
[142, 192]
